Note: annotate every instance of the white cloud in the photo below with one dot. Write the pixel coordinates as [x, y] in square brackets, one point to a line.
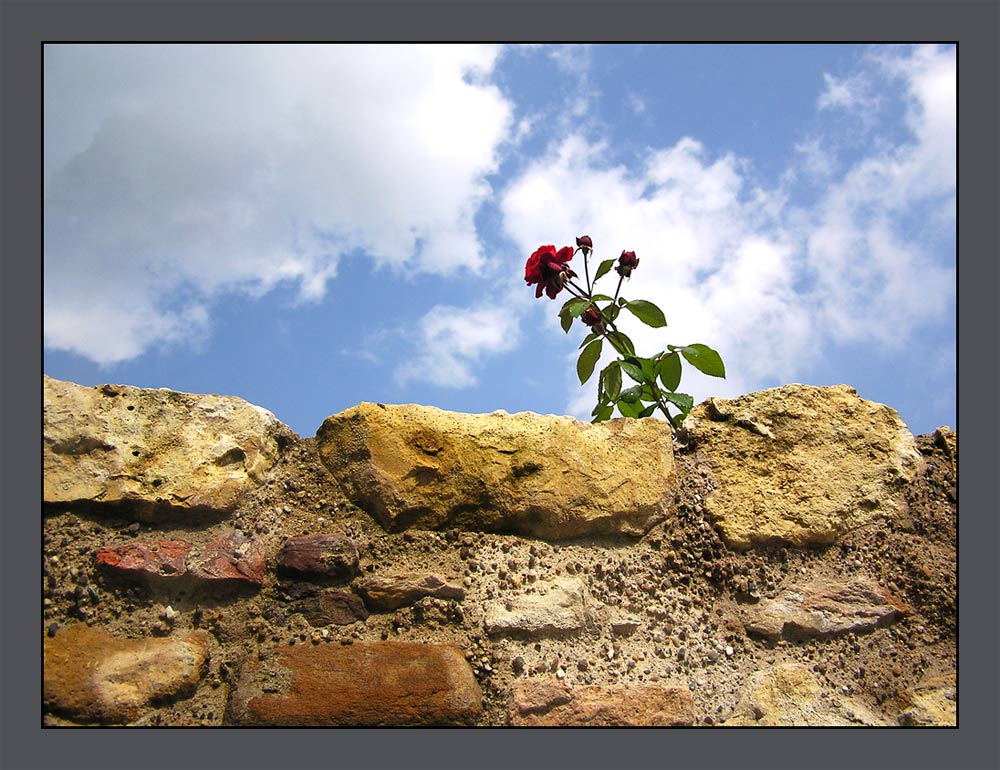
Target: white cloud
[710, 253]
[845, 93]
[771, 286]
[572, 58]
[452, 340]
[575, 60]
[175, 173]
[814, 159]
[876, 277]
[636, 103]
[929, 75]
[524, 128]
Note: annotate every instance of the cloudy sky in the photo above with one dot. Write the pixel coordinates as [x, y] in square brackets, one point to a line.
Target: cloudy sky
[311, 226]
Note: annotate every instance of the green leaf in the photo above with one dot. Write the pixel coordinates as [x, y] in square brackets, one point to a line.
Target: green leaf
[631, 395]
[610, 313]
[603, 412]
[629, 410]
[602, 397]
[600, 298]
[612, 380]
[682, 401]
[648, 411]
[603, 268]
[631, 369]
[624, 344]
[571, 309]
[588, 339]
[647, 392]
[648, 368]
[704, 359]
[577, 307]
[646, 312]
[588, 360]
[670, 371]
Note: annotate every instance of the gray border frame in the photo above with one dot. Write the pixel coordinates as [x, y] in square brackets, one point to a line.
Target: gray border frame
[973, 24]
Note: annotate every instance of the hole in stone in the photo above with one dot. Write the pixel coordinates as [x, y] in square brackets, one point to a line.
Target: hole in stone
[130, 407]
[234, 455]
[135, 452]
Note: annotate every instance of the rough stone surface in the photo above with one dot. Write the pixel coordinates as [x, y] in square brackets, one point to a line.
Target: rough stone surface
[92, 676]
[339, 608]
[228, 557]
[332, 556]
[385, 593]
[538, 696]
[824, 607]
[560, 610]
[669, 608]
[790, 695]
[625, 626]
[158, 451]
[947, 439]
[546, 476]
[387, 684]
[543, 703]
[801, 464]
[932, 702]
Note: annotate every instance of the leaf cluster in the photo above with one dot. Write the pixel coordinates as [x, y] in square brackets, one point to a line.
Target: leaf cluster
[652, 382]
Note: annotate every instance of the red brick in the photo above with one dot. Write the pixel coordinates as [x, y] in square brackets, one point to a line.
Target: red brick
[229, 557]
[339, 608]
[165, 558]
[332, 556]
[385, 684]
[540, 696]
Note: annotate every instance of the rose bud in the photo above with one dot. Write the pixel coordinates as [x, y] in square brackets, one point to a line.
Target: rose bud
[592, 317]
[627, 262]
[585, 244]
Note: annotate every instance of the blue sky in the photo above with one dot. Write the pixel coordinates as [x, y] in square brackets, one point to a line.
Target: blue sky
[308, 227]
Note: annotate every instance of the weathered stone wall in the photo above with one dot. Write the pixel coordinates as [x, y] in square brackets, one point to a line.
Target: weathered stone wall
[787, 558]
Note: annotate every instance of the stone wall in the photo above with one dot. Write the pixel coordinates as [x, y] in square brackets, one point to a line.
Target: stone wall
[788, 558]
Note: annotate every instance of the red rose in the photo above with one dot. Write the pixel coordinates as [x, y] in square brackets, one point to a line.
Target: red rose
[547, 267]
[627, 262]
[585, 244]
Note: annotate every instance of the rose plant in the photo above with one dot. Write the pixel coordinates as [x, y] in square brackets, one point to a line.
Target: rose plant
[657, 377]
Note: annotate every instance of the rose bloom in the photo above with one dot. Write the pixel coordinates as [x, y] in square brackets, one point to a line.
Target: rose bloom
[547, 267]
[627, 262]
